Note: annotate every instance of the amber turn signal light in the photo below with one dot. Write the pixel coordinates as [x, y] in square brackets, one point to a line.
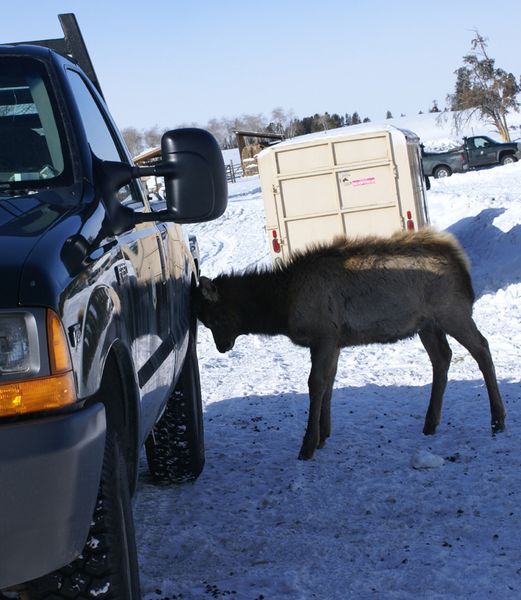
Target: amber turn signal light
[59, 357]
[32, 395]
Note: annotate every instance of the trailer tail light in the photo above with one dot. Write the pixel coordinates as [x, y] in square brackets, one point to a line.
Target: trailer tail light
[410, 222]
[275, 242]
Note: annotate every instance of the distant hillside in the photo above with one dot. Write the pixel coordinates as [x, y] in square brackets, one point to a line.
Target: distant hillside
[435, 130]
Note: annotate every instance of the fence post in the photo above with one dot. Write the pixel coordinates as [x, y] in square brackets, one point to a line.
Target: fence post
[232, 172]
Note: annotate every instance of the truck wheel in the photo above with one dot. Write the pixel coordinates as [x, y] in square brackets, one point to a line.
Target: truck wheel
[442, 171]
[108, 566]
[175, 447]
[508, 159]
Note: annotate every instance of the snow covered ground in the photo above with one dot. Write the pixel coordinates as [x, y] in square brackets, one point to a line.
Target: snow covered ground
[382, 511]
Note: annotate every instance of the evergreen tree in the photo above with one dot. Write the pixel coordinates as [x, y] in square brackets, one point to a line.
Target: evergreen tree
[388, 115]
[463, 89]
[317, 123]
[485, 88]
[336, 121]
[355, 119]
[304, 126]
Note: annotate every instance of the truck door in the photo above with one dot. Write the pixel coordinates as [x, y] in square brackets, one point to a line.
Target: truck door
[142, 274]
[481, 152]
[179, 278]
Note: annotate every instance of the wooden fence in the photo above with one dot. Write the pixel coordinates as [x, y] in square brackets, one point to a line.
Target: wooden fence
[233, 171]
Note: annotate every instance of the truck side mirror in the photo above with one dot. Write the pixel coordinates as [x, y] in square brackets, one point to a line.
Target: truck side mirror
[195, 181]
[195, 178]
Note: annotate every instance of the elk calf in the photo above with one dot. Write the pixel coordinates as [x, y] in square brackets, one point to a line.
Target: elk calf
[353, 292]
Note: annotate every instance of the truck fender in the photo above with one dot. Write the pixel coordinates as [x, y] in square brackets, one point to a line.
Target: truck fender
[505, 155]
[107, 363]
[98, 321]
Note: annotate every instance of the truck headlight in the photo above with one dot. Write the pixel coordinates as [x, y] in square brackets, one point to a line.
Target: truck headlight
[19, 352]
[29, 387]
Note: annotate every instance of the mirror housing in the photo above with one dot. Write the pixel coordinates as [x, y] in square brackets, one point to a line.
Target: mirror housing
[195, 177]
[195, 181]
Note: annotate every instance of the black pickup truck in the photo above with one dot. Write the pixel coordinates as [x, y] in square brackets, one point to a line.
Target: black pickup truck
[444, 164]
[483, 151]
[97, 333]
[476, 152]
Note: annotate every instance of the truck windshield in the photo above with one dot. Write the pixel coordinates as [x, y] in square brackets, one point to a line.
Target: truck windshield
[31, 148]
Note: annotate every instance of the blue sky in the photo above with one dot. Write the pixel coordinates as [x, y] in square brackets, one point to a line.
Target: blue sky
[174, 62]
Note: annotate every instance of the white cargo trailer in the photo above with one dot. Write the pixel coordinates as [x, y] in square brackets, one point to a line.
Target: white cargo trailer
[358, 180]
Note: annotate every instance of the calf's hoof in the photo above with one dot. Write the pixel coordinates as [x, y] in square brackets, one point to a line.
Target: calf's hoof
[322, 441]
[306, 453]
[429, 429]
[498, 426]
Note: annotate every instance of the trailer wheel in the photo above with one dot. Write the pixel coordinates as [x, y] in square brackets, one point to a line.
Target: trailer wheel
[442, 171]
[175, 447]
[108, 566]
[508, 159]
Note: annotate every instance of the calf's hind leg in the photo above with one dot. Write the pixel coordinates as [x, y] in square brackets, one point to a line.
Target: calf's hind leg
[323, 364]
[468, 335]
[325, 412]
[435, 342]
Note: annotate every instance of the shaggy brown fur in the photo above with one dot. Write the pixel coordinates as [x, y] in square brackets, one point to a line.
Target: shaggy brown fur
[352, 292]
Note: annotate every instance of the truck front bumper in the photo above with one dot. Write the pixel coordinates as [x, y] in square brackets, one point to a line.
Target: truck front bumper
[50, 471]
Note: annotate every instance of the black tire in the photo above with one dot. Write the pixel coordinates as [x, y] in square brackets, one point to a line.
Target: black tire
[107, 569]
[442, 171]
[508, 159]
[175, 447]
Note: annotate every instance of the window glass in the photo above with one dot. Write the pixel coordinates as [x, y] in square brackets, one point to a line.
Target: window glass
[99, 134]
[31, 147]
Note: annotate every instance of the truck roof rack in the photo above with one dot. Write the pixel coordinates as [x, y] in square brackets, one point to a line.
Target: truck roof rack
[71, 45]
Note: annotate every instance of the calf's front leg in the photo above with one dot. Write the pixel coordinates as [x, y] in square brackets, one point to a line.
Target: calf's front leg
[324, 357]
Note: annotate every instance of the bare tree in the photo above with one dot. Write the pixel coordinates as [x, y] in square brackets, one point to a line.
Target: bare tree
[484, 88]
[134, 140]
[218, 130]
[224, 129]
[152, 136]
[284, 121]
[253, 122]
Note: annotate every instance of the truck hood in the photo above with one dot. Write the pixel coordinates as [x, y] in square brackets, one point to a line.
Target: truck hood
[24, 219]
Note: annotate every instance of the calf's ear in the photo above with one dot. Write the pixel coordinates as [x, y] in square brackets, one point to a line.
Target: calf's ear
[208, 289]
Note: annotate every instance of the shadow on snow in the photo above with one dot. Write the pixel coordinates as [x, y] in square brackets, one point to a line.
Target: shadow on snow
[494, 254]
[361, 417]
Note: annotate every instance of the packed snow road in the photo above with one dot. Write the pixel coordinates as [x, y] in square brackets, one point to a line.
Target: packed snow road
[382, 511]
